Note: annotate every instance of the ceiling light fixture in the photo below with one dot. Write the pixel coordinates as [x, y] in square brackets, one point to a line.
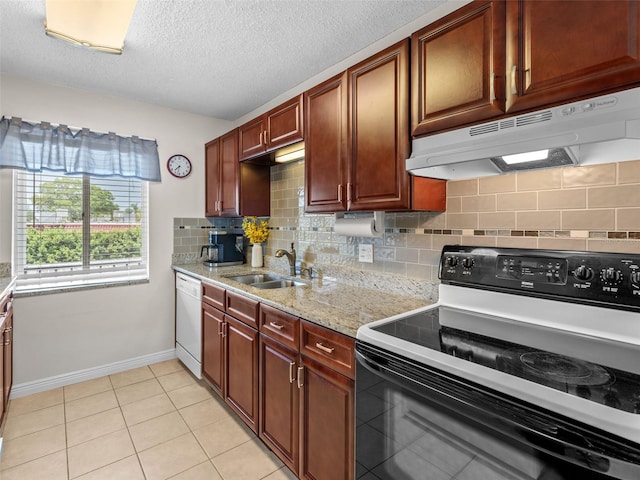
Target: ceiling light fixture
[97, 24]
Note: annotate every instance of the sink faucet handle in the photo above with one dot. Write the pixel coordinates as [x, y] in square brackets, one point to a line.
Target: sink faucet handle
[292, 249]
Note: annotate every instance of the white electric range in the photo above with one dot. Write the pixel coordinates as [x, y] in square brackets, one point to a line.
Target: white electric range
[529, 364]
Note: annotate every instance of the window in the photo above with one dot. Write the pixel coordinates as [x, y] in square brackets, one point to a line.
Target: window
[78, 230]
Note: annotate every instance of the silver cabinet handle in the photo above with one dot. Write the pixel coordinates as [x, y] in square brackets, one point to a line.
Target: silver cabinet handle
[492, 87]
[300, 370]
[292, 376]
[325, 349]
[340, 193]
[261, 142]
[276, 325]
[514, 80]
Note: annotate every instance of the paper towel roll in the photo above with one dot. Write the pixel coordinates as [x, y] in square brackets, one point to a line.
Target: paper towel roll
[356, 227]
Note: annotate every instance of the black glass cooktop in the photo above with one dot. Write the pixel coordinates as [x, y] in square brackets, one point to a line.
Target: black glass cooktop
[602, 384]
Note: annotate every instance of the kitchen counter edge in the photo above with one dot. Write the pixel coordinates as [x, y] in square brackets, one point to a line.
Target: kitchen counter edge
[329, 303]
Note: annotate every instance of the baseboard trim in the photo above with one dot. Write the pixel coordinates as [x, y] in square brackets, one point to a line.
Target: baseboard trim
[37, 386]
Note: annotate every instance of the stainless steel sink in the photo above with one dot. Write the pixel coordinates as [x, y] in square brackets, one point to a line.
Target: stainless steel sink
[251, 278]
[278, 284]
[266, 281]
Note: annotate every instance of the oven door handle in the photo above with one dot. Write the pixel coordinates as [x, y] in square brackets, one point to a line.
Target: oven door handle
[542, 432]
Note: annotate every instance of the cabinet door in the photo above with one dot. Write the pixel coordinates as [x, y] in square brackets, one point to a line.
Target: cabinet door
[326, 156]
[241, 370]
[213, 346]
[229, 183]
[562, 50]
[212, 177]
[284, 124]
[279, 401]
[8, 355]
[379, 131]
[458, 68]
[252, 140]
[327, 423]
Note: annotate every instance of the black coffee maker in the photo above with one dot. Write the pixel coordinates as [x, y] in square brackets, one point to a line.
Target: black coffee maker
[224, 248]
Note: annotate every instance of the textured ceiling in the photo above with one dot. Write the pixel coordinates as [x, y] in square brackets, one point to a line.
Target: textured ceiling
[220, 58]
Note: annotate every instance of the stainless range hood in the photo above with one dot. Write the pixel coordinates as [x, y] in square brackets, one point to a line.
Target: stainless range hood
[597, 130]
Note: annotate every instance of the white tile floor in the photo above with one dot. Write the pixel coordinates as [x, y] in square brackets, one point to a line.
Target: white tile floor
[155, 422]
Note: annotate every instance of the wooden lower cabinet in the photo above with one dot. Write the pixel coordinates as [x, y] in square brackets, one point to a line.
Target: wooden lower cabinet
[327, 416]
[292, 383]
[241, 370]
[306, 404]
[279, 401]
[6, 355]
[230, 361]
[213, 346]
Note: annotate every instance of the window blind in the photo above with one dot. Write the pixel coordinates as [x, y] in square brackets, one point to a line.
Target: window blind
[78, 230]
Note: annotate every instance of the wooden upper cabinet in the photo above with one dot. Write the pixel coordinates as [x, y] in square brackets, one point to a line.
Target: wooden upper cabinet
[233, 189]
[252, 138]
[457, 68]
[229, 184]
[326, 156]
[277, 128]
[285, 124]
[378, 131]
[212, 177]
[563, 50]
[221, 173]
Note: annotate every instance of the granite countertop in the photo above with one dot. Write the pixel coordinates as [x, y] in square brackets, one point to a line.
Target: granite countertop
[340, 307]
[6, 285]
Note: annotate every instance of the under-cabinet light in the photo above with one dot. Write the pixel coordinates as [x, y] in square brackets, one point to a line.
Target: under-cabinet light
[290, 154]
[526, 157]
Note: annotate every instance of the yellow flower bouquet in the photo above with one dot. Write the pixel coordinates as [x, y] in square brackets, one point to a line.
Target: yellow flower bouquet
[255, 230]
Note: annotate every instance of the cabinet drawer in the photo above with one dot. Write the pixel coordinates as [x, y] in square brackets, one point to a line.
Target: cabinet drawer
[280, 326]
[213, 295]
[328, 347]
[243, 308]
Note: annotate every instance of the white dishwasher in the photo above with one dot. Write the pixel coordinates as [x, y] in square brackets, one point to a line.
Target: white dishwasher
[189, 322]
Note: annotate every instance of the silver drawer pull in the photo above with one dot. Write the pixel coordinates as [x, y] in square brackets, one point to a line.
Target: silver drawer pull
[300, 373]
[276, 325]
[325, 349]
[292, 375]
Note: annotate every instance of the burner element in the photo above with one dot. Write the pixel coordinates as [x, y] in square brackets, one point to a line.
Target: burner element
[563, 369]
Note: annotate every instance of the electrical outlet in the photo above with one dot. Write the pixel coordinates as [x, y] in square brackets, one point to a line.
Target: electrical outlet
[365, 253]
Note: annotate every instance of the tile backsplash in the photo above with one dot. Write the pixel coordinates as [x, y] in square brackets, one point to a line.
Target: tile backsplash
[595, 208]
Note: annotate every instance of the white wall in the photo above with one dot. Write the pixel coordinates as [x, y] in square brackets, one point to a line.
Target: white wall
[62, 333]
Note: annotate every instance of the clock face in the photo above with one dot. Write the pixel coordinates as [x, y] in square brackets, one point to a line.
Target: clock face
[179, 166]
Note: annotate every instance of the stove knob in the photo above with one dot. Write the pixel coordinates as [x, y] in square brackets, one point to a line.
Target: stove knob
[611, 400]
[611, 275]
[467, 262]
[583, 273]
[451, 261]
[635, 277]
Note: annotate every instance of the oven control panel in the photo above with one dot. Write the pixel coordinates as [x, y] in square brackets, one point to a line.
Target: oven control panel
[611, 278]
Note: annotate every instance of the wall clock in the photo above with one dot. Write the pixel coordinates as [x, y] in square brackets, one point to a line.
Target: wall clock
[179, 166]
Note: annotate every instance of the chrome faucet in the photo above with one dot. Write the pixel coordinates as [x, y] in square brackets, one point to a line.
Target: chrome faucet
[291, 256]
